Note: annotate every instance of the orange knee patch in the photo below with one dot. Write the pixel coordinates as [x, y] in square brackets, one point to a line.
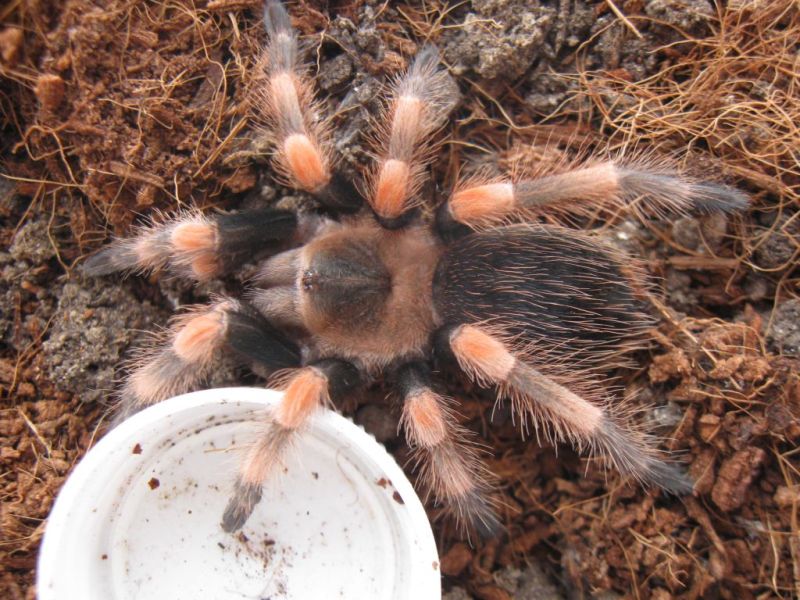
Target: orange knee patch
[194, 237]
[205, 267]
[392, 188]
[481, 354]
[482, 203]
[425, 420]
[197, 240]
[306, 392]
[305, 161]
[199, 337]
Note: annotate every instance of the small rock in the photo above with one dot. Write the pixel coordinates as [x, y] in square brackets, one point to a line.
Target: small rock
[757, 287]
[786, 496]
[529, 582]
[778, 249]
[679, 289]
[665, 417]
[688, 15]
[629, 236]
[379, 421]
[92, 328]
[735, 476]
[456, 559]
[784, 335]
[334, 73]
[686, 231]
[32, 243]
[501, 38]
[50, 90]
[456, 593]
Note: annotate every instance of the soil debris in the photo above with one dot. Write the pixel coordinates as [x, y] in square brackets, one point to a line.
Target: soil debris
[500, 38]
[735, 477]
[112, 111]
[91, 331]
[784, 335]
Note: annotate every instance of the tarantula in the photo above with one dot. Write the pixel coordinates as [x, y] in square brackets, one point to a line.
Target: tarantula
[355, 290]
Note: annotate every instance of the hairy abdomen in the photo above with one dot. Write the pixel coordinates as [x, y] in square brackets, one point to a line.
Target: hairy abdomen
[556, 291]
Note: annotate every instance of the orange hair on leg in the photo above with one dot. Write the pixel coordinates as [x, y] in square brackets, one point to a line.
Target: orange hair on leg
[537, 397]
[479, 204]
[420, 102]
[391, 190]
[306, 162]
[306, 392]
[481, 355]
[177, 359]
[450, 466]
[646, 186]
[199, 337]
[283, 101]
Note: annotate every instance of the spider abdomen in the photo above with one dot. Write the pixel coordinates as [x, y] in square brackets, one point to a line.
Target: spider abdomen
[550, 288]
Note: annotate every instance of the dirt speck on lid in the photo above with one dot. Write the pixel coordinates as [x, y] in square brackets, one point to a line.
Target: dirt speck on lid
[398, 498]
[383, 482]
[137, 449]
[153, 483]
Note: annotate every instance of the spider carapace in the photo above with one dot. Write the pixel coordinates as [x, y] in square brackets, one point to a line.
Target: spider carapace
[364, 289]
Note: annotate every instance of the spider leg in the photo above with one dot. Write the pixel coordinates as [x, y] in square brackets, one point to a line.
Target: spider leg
[280, 304]
[284, 101]
[419, 104]
[186, 354]
[450, 467]
[308, 389]
[487, 359]
[194, 245]
[663, 191]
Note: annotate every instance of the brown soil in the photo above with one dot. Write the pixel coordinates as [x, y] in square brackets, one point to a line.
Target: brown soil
[112, 110]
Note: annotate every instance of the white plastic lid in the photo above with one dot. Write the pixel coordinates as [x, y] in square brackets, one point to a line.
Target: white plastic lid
[139, 517]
